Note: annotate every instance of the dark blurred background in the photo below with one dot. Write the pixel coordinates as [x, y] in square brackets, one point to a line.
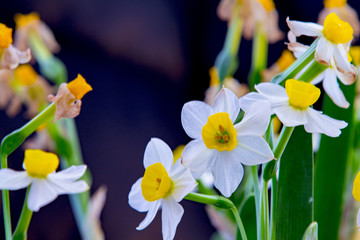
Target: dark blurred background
[144, 59]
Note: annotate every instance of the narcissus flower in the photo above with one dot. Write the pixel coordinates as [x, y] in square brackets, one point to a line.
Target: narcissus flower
[68, 98]
[163, 185]
[333, 45]
[292, 106]
[46, 184]
[27, 24]
[221, 145]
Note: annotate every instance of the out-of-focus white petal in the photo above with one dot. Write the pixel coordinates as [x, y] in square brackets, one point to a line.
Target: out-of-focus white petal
[247, 100]
[227, 101]
[183, 181]
[256, 120]
[324, 51]
[207, 179]
[197, 157]
[14, 180]
[304, 28]
[70, 174]
[349, 72]
[290, 116]
[194, 116]
[253, 150]
[24, 56]
[171, 215]
[158, 151]
[332, 89]
[41, 193]
[227, 172]
[136, 199]
[154, 207]
[321, 123]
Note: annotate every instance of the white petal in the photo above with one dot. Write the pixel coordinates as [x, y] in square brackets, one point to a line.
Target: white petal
[150, 215]
[14, 180]
[70, 174]
[194, 116]
[63, 186]
[290, 116]
[158, 151]
[136, 199]
[247, 100]
[332, 89]
[274, 93]
[304, 28]
[253, 150]
[324, 51]
[358, 219]
[227, 172]
[183, 181]
[321, 123]
[171, 215]
[197, 157]
[226, 101]
[41, 193]
[24, 56]
[347, 71]
[256, 120]
[318, 78]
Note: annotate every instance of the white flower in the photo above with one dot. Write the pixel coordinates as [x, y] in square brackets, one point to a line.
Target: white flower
[46, 184]
[328, 76]
[292, 106]
[220, 145]
[333, 45]
[163, 185]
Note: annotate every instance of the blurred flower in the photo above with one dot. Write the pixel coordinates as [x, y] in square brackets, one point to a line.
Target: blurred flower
[333, 45]
[328, 77]
[177, 152]
[41, 140]
[163, 185]
[221, 223]
[27, 24]
[344, 11]
[356, 195]
[255, 13]
[8, 99]
[10, 57]
[46, 184]
[220, 145]
[292, 106]
[284, 61]
[230, 83]
[68, 98]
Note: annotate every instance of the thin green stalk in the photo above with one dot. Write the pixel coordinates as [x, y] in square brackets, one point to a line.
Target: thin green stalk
[220, 202]
[12, 142]
[274, 200]
[312, 71]
[255, 177]
[264, 211]
[24, 220]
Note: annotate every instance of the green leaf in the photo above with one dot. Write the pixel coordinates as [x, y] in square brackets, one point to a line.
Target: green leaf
[295, 187]
[332, 161]
[247, 211]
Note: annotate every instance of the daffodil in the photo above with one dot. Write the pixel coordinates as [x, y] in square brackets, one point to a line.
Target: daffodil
[68, 99]
[219, 144]
[45, 183]
[333, 45]
[10, 57]
[344, 11]
[163, 185]
[27, 24]
[292, 106]
[328, 77]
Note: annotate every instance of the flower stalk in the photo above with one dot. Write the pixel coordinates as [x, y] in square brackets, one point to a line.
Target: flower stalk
[24, 221]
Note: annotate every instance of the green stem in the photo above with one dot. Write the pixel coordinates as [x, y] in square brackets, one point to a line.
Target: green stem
[274, 200]
[297, 66]
[24, 221]
[255, 177]
[12, 142]
[264, 211]
[312, 71]
[220, 202]
[259, 57]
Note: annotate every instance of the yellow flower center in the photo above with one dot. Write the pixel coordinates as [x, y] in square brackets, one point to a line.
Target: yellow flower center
[156, 183]
[285, 60]
[178, 152]
[25, 75]
[79, 87]
[268, 5]
[301, 94]
[336, 30]
[219, 132]
[39, 163]
[23, 20]
[355, 55]
[334, 3]
[5, 36]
